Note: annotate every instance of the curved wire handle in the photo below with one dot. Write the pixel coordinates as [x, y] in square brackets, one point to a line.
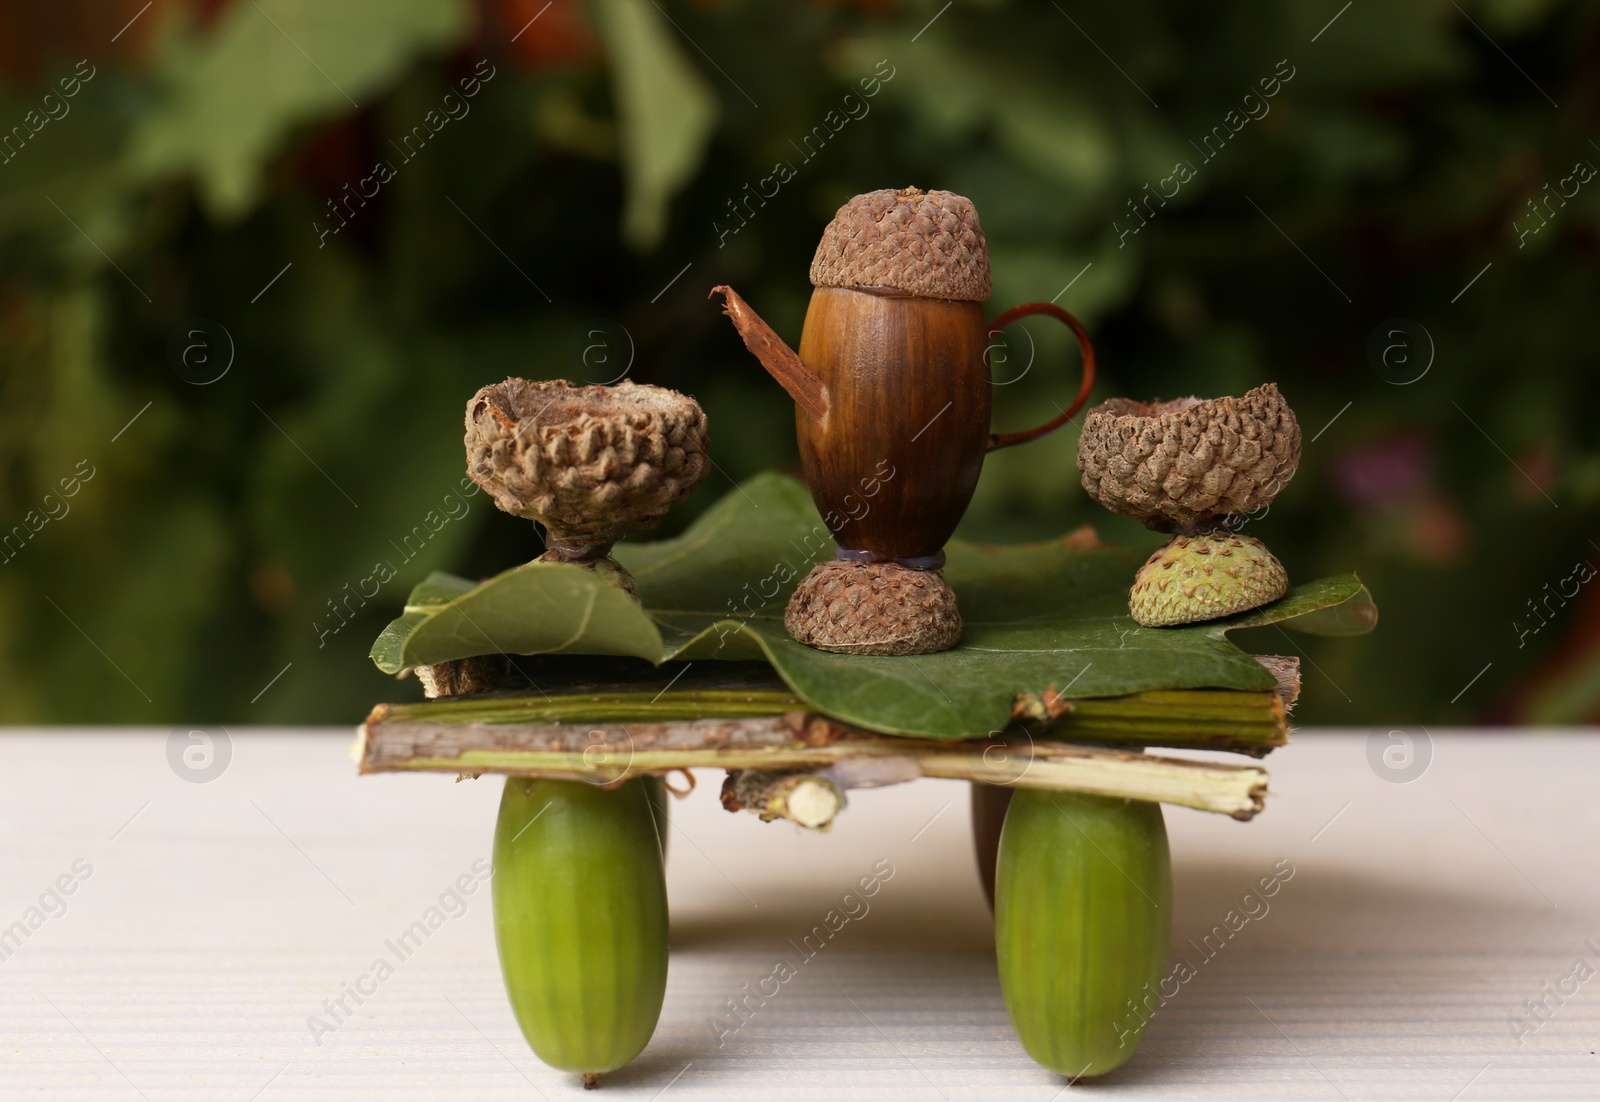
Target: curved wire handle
[1006, 439]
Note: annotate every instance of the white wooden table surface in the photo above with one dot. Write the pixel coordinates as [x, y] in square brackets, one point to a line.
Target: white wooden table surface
[207, 922]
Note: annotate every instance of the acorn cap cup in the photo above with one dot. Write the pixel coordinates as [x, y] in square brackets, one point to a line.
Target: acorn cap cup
[1187, 464]
[590, 463]
[873, 608]
[926, 244]
[1195, 578]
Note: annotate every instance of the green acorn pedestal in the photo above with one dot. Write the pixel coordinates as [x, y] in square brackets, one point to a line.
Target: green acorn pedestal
[580, 919]
[1083, 918]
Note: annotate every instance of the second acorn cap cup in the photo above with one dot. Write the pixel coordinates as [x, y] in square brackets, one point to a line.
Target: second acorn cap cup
[1187, 464]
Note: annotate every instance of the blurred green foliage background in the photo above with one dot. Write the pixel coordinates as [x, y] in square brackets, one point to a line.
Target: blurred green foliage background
[184, 546]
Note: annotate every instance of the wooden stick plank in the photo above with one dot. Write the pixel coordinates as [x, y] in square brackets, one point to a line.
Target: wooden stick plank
[1252, 723]
[609, 752]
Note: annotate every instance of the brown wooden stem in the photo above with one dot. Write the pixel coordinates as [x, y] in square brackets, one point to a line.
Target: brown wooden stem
[796, 741]
[807, 798]
[781, 361]
[1085, 345]
[1253, 723]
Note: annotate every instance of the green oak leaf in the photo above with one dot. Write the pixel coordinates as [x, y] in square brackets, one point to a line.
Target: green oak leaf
[665, 110]
[230, 96]
[1037, 615]
[538, 608]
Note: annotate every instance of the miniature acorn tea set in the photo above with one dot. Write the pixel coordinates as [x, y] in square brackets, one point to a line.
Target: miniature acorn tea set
[590, 674]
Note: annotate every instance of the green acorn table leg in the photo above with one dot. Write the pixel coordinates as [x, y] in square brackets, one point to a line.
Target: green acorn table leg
[656, 789]
[1083, 922]
[989, 803]
[580, 917]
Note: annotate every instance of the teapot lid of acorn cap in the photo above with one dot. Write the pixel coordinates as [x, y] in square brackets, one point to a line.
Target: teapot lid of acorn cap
[927, 244]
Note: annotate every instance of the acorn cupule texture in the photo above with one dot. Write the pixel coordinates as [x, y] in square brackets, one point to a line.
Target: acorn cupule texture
[1184, 465]
[590, 463]
[1204, 577]
[926, 244]
[874, 608]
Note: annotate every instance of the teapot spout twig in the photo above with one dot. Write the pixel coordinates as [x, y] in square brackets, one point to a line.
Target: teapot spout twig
[782, 362]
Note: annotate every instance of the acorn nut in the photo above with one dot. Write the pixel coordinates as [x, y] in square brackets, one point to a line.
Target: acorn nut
[580, 919]
[1083, 920]
[893, 392]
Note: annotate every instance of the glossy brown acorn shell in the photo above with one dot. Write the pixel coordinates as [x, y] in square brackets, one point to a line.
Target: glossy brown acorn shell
[893, 463]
